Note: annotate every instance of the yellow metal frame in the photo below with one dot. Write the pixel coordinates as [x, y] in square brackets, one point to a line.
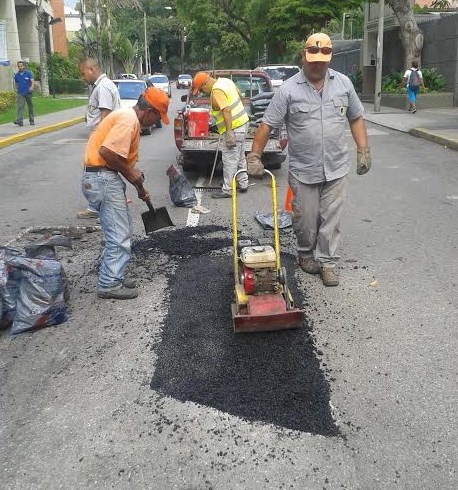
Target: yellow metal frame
[273, 185]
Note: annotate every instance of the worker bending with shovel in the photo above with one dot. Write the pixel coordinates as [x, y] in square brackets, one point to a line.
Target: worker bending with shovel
[231, 120]
[112, 152]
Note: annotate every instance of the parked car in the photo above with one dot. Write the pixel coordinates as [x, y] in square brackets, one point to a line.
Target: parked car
[199, 147]
[129, 91]
[162, 82]
[129, 76]
[279, 73]
[184, 81]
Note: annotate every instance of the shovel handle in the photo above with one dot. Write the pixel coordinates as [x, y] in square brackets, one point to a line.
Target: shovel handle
[150, 206]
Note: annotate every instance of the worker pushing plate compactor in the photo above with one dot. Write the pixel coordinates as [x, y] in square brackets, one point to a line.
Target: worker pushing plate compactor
[263, 301]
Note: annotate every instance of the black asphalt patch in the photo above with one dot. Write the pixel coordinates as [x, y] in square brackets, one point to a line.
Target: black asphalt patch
[274, 377]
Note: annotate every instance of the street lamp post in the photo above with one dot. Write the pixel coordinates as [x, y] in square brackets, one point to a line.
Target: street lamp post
[344, 16]
[378, 67]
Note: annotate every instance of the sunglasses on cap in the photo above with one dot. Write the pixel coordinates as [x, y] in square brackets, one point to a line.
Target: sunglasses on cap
[316, 50]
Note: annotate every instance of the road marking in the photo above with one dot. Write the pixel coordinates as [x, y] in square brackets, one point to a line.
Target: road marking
[193, 218]
[454, 198]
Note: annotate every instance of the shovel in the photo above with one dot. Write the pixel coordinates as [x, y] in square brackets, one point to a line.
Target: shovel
[155, 219]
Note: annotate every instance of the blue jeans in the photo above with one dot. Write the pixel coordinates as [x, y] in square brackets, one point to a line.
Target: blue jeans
[106, 192]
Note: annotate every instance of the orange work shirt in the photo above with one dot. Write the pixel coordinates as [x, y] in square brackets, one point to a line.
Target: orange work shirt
[120, 133]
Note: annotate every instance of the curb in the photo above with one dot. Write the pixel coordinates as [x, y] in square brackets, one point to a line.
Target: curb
[17, 138]
[426, 134]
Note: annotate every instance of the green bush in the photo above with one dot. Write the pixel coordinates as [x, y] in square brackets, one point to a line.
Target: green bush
[34, 68]
[67, 86]
[392, 83]
[357, 80]
[7, 100]
[434, 81]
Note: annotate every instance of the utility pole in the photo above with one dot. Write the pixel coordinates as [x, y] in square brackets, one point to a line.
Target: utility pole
[97, 32]
[378, 67]
[146, 45]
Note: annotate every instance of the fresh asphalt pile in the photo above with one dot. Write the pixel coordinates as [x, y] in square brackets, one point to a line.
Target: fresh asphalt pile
[272, 377]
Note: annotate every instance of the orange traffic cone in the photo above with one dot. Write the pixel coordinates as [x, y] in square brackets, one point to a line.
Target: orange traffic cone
[288, 200]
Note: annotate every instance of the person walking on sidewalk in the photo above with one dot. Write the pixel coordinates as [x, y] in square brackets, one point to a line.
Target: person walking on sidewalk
[231, 121]
[24, 85]
[315, 105]
[103, 100]
[413, 80]
[112, 151]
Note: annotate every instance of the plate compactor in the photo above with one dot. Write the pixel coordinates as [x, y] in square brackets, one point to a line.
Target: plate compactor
[262, 299]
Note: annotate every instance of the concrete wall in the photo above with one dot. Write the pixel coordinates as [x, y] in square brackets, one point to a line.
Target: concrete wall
[28, 33]
[8, 13]
[440, 50]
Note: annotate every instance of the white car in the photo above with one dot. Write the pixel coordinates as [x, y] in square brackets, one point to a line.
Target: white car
[162, 82]
[279, 73]
[184, 81]
[129, 91]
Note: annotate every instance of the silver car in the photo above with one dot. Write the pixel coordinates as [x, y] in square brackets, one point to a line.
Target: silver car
[162, 82]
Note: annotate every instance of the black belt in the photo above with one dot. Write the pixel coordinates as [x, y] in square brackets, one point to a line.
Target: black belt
[98, 169]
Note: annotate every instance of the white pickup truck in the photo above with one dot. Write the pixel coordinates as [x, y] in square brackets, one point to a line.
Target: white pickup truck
[256, 90]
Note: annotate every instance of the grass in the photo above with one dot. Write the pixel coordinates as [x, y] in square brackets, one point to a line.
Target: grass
[42, 106]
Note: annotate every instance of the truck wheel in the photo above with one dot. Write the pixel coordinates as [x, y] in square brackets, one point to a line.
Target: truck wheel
[186, 162]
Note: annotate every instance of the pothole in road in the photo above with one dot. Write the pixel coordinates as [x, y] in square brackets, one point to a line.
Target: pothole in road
[273, 377]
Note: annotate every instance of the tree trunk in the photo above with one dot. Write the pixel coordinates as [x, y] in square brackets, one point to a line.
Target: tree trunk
[42, 24]
[409, 33]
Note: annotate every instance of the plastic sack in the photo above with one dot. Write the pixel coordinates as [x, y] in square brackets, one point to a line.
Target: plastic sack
[267, 220]
[180, 190]
[40, 301]
[9, 285]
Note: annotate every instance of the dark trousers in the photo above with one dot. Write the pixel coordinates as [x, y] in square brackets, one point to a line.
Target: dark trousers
[21, 100]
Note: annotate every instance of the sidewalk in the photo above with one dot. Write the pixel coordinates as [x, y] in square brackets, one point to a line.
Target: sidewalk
[10, 133]
[437, 125]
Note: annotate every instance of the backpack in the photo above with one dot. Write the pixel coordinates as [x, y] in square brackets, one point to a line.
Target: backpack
[414, 79]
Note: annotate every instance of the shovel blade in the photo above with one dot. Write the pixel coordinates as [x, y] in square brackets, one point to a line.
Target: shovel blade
[155, 220]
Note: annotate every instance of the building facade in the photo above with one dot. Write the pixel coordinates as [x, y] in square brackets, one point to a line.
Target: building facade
[19, 36]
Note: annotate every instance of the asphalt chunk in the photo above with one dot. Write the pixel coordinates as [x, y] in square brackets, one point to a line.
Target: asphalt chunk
[273, 377]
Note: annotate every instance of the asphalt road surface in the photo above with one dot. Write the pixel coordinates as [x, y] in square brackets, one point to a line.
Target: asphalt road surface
[158, 393]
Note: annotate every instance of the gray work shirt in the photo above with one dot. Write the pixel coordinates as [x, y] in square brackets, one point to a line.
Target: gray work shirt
[315, 124]
[104, 95]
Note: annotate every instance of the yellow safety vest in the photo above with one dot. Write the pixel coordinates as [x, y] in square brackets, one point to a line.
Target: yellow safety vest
[239, 115]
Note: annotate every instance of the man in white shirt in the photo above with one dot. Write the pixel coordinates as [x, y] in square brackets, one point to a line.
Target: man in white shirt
[104, 99]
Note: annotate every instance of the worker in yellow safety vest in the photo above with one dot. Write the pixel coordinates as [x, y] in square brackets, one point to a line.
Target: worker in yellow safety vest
[231, 121]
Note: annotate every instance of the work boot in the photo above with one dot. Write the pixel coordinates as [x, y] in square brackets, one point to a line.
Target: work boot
[309, 265]
[330, 276]
[220, 195]
[18, 123]
[86, 214]
[129, 283]
[120, 292]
